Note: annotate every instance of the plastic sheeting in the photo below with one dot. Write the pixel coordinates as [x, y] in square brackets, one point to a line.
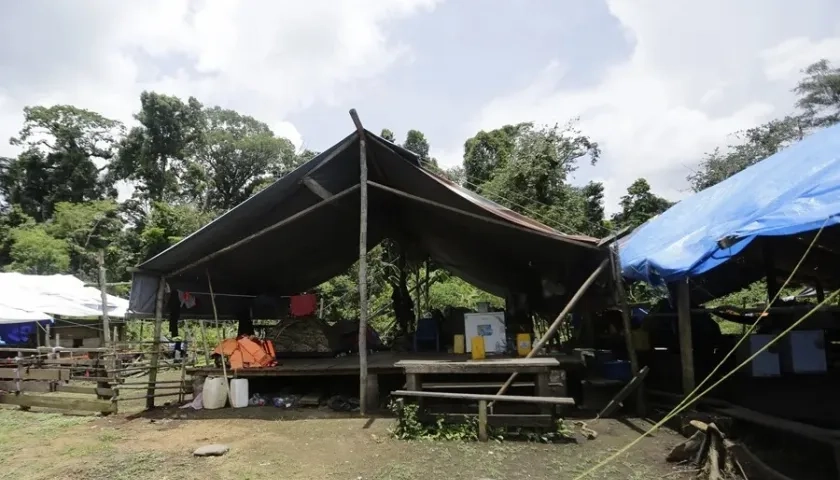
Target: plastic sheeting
[793, 191]
[63, 295]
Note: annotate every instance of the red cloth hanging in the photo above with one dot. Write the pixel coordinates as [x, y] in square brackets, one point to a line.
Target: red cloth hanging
[303, 305]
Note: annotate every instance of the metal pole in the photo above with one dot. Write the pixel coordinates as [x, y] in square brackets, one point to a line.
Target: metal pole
[559, 320]
[103, 290]
[363, 298]
[153, 364]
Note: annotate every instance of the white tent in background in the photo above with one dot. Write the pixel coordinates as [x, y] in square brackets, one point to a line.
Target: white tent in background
[62, 295]
[9, 315]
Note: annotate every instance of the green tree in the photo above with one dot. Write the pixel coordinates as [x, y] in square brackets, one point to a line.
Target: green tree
[754, 145]
[34, 251]
[819, 94]
[12, 217]
[64, 147]
[487, 151]
[158, 153]
[639, 205]
[593, 209]
[87, 228]
[168, 224]
[416, 142]
[237, 154]
[388, 135]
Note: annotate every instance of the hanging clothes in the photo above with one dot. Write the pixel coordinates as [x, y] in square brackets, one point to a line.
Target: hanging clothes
[174, 312]
[303, 305]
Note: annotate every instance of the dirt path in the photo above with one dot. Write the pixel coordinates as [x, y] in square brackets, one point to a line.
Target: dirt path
[270, 443]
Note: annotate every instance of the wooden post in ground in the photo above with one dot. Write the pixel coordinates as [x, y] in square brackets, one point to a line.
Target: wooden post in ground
[538, 346]
[482, 420]
[621, 300]
[364, 401]
[684, 327]
[103, 291]
[204, 345]
[155, 358]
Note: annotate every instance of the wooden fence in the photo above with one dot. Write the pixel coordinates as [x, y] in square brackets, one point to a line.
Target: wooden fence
[92, 380]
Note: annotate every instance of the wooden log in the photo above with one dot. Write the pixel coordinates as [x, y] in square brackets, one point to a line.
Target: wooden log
[58, 403]
[98, 391]
[537, 348]
[493, 419]
[624, 306]
[479, 396]
[622, 394]
[363, 299]
[507, 365]
[103, 292]
[482, 420]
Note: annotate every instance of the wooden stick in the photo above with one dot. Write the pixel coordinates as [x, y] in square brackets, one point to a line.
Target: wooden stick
[203, 329]
[631, 386]
[103, 292]
[363, 298]
[216, 317]
[487, 397]
[482, 420]
[621, 300]
[155, 358]
[559, 320]
[265, 230]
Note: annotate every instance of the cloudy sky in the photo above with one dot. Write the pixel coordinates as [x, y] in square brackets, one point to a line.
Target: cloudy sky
[656, 82]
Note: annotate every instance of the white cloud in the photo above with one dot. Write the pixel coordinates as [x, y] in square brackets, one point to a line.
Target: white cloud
[264, 58]
[699, 70]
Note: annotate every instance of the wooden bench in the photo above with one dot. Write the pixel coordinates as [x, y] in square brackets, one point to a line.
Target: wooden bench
[482, 402]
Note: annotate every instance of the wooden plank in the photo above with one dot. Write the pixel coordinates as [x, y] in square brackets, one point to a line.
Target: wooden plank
[30, 386]
[36, 374]
[479, 396]
[522, 365]
[469, 386]
[543, 390]
[482, 420]
[631, 386]
[57, 402]
[100, 391]
[493, 419]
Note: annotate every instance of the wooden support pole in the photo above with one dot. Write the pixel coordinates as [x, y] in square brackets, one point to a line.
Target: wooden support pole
[482, 420]
[155, 358]
[624, 306]
[204, 345]
[363, 298]
[103, 291]
[537, 348]
[684, 327]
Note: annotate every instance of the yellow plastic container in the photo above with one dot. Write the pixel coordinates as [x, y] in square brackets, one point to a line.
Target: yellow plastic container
[477, 344]
[458, 345]
[523, 344]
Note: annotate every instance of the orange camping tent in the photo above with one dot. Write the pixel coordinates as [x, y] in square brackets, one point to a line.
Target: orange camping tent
[247, 352]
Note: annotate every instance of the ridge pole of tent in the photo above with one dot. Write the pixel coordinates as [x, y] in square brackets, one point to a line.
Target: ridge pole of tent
[103, 290]
[363, 298]
[153, 363]
[684, 331]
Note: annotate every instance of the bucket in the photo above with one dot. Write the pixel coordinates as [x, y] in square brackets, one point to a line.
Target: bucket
[458, 344]
[215, 393]
[239, 392]
[523, 344]
[477, 344]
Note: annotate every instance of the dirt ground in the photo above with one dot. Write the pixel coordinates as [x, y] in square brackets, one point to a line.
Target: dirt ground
[267, 442]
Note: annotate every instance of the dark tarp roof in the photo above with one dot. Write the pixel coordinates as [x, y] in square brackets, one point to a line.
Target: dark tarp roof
[490, 246]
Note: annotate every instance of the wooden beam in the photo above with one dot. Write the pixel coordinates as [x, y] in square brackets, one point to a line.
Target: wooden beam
[559, 320]
[155, 358]
[684, 328]
[488, 397]
[103, 293]
[54, 374]
[624, 306]
[265, 230]
[316, 188]
[363, 298]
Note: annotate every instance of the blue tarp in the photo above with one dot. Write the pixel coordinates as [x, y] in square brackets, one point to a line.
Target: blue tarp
[793, 191]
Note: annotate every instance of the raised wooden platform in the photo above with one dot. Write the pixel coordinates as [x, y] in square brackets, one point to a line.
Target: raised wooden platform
[379, 363]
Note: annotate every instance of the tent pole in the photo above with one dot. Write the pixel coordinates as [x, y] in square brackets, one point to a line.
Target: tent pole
[153, 364]
[265, 230]
[363, 298]
[623, 305]
[103, 290]
[686, 347]
[559, 320]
